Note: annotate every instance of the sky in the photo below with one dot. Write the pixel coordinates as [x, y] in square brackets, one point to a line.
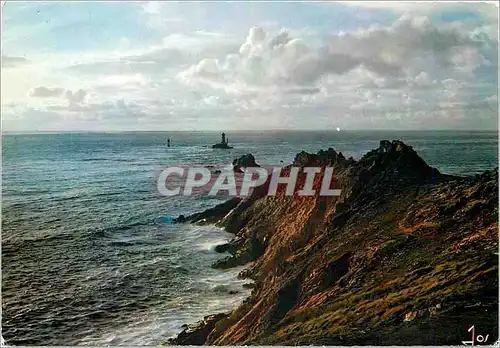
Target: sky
[121, 66]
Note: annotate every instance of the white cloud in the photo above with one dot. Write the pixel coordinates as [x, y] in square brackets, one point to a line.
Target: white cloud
[412, 52]
[72, 97]
[76, 97]
[405, 73]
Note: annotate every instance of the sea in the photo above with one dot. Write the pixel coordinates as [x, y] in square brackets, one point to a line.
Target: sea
[87, 258]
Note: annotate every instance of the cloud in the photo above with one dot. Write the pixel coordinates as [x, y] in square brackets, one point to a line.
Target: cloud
[45, 92]
[73, 97]
[118, 109]
[176, 51]
[76, 97]
[12, 62]
[386, 69]
[411, 47]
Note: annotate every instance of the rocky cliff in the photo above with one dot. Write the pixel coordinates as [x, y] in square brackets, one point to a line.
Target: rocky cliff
[406, 255]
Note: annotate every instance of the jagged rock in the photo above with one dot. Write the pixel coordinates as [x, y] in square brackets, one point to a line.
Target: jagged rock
[245, 161]
[180, 219]
[232, 261]
[211, 215]
[197, 334]
[247, 252]
[248, 286]
[385, 146]
[322, 158]
[403, 241]
[227, 247]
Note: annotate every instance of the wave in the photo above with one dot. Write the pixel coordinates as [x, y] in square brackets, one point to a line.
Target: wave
[210, 245]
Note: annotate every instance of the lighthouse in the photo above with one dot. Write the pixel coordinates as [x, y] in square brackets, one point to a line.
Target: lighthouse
[223, 144]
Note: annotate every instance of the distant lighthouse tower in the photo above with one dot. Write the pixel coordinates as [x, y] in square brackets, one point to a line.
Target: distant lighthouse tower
[223, 144]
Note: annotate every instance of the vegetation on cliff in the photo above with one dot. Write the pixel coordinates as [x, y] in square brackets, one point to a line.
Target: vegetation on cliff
[406, 255]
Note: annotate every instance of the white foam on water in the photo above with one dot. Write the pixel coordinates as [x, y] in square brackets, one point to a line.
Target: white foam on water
[156, 327]
[219, 291]
[209, 237]
[210, 245]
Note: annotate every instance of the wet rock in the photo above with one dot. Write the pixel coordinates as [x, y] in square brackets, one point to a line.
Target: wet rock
[242, 254]
[248, 285]
[211, 215]
[180, 219]
[232, 261]
[222, 248]
[245, 161]
[225, 248]
[197, 333]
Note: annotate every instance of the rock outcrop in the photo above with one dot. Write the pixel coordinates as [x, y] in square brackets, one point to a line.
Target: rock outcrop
[245, 161]
[405, 255]
[196, 334]
[212, 215]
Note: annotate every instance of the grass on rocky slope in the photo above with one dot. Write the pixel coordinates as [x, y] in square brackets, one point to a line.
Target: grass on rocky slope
[410, 275]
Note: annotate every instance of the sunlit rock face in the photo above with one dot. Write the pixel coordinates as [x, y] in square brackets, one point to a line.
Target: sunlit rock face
[406, 255]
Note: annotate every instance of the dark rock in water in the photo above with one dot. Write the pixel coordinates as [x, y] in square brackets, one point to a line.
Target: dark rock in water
[222, 248]
[224, 143]
[248, 286]
[221, 146]
[242, 254]
[245, 161]
[211, 215]
[213, 169]
[232, 261]
[197, 333]
[227, 247]
[180, 219]
[233, 292]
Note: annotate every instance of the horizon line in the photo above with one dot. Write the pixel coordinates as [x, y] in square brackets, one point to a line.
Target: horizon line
[333, 130]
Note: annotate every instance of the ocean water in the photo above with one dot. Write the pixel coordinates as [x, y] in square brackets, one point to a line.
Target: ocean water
[86, 258]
